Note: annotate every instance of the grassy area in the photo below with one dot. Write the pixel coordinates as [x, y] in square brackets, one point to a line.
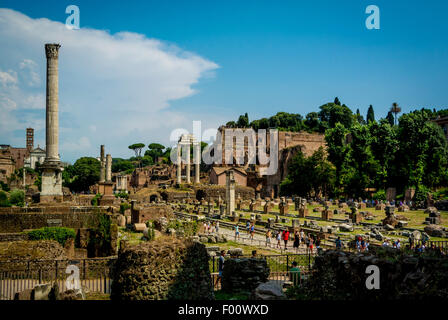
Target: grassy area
[134, 238]
[219, 295]
[97, 296]
[247, 249]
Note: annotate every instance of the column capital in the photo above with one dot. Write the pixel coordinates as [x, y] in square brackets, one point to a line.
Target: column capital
[52, 50]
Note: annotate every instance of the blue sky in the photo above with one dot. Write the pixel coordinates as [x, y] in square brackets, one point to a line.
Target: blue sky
[260, 57]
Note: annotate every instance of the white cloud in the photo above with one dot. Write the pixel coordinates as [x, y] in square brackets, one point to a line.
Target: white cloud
[81, 145]
[8, 78]
[29, 72]
[120, 84]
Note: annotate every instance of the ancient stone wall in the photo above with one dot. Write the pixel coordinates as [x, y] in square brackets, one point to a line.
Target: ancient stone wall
[214, 191]
[7, 237]
[341, 275]
[31, 250]
[141, 214]
[19, 219]
[244, 274]
[162, 269]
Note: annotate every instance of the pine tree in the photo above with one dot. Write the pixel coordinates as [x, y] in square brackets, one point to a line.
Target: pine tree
[359, 117]
[390, 118]
[370, 114]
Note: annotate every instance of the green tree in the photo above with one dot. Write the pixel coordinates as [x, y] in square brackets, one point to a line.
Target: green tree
[155, 150]
[331, 114]
[362, 165]
[370, 114]
[359, 117]
[384, 145]
[312, 122]
[243, 121]
[86, 171]
[309, 176]
[423, 151]
[338, 149]
[4, 202]
[390, 118]
[395, 109]
[137, 148]
[121, 165]
[17, 198]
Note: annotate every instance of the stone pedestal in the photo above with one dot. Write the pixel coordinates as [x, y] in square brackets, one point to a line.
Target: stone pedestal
[105, 188]
[284, 208]
[253, 206]
[356, 217]
[51, 183]
[327, 214]
[303, 212]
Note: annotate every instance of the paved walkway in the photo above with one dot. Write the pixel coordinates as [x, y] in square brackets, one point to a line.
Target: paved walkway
[260, 241]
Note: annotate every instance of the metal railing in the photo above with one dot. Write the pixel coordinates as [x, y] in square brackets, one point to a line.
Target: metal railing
[276, 262]
[20, 275]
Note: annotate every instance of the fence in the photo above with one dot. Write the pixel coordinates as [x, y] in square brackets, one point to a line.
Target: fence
[276, 262]
[19, 275]
[279, 265]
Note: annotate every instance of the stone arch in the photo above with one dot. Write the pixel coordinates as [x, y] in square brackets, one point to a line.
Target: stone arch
[155, 197]
[200, 194]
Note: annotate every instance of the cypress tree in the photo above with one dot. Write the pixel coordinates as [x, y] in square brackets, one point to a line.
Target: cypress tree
[370, 114]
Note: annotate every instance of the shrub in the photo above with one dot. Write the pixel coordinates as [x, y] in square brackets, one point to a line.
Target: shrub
[4, 202]
[122, 195]
[124, 206]
[17, 198]
[60, 234]
[188, 228]
[380, 195]
[441, 194]
[151, 232]
[95, 199]
[421, 194]
[4, 186]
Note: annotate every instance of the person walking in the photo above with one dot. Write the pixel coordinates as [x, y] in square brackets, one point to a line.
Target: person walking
[252, 232]
[220, 267]
[268, 238]
[311, 245]
[237, 232]
[279, 237]
[296, 240]
[302, 236]
[338, 243]
[286, 238]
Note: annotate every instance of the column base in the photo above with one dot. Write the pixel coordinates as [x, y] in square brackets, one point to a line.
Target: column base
[51, 183]
[50, 199]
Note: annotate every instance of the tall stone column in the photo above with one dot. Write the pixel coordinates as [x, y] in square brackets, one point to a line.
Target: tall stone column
[230, 192]
[187, 158]
[179, 164]
[52, 169]
[197, 158]
[108, 168]
[52, 119]
[103, 165]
